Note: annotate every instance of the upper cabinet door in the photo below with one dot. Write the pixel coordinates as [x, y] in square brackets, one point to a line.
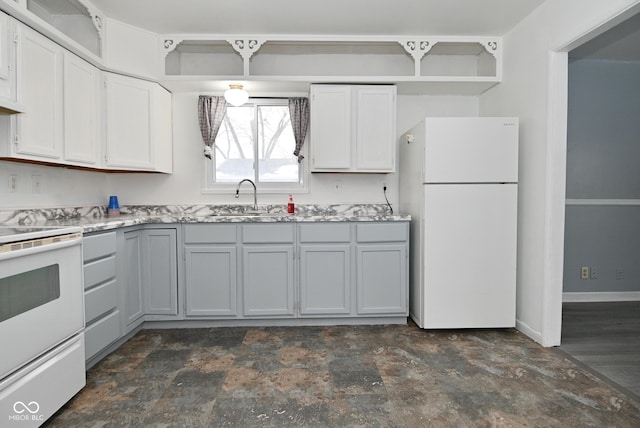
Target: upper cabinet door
[39, 129]
[353, 128]
[7, 60]
[376, 128]
[330, 127]
[82, 97]
[128, 122]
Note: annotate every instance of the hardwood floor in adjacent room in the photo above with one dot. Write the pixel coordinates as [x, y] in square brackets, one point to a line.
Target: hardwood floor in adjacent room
[605, 337]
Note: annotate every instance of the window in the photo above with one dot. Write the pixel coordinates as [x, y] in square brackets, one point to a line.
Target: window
[256, 141]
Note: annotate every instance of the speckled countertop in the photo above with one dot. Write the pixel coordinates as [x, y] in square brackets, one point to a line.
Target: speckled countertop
[93, 219]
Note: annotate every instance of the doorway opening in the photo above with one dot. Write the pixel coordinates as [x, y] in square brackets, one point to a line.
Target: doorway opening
[601, 291]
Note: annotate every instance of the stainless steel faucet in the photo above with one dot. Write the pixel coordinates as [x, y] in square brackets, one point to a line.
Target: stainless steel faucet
[255, 193]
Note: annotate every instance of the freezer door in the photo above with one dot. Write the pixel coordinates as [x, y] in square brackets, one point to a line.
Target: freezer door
[471, 150]
[470, 256]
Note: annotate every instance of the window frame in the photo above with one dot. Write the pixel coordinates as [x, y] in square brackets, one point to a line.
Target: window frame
[301, 186]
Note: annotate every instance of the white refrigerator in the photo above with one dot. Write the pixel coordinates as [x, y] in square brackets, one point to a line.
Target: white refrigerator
[459, 182]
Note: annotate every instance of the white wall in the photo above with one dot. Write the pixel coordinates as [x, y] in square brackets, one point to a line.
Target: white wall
[60, 187]
[64, 187]
[185, 185]
[525, 92]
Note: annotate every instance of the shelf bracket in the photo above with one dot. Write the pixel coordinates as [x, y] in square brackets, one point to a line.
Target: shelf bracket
[96, 17]
[246, 48]
[417, 49]
[169, 45]
[492, 47]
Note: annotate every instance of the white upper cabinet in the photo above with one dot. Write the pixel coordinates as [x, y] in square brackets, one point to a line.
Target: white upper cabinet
[353, 128]
[138, 125]
[39, 130]
[330, 127]
[375, 128]
[8, 90]
[60, 94]
[128, 120]
[82, 112]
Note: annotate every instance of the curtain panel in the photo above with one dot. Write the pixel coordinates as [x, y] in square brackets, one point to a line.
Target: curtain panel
[299, 113]
[211, 112]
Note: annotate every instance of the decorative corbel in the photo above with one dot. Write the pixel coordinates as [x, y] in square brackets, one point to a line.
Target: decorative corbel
[492, 47]
[169, 45]
[246, 48]
[417, 49]
[96, 17]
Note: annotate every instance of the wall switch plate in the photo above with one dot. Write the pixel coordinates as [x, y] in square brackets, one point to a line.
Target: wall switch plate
[584, 272]
[595, 273]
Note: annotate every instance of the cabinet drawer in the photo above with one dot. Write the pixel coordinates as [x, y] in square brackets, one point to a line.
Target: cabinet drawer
[100, 300]
[325, 232]
[101, 333]
[210, 234]
[99, 271]
[267, 233]
[100, 245]
[382, 232]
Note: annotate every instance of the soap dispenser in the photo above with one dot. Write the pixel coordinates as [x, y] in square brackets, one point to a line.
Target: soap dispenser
[290, 206]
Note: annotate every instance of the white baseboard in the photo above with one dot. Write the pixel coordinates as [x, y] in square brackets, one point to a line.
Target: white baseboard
[536, 336]
[602, 296]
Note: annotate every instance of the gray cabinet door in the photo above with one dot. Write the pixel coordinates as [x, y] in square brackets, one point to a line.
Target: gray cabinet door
[267, 274]
[159, 271]
[211, 281]
[325, 279]
[132, 284]
[382, 279]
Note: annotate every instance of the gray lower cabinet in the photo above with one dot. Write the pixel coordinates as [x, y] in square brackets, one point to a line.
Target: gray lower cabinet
[210, 256]
[268, 270]
[132, 304]
[325, 269]
[102, 316]
[288, 270]
[150, 275]
[382, 268]
[159, 271]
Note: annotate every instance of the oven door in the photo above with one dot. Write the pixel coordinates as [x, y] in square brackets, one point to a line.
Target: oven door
[41, 301]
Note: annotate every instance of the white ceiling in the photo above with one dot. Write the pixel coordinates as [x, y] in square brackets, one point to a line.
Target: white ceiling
[322, 17]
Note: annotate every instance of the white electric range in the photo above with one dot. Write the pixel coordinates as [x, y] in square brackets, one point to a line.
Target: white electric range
[41, 321]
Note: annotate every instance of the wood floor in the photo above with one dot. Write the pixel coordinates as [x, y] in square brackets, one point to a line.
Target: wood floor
[605, 336]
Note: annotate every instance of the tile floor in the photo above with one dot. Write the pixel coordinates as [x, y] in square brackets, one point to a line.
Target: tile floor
[373, 376]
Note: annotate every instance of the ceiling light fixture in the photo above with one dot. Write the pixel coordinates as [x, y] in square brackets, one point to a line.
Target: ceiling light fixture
[236, 95]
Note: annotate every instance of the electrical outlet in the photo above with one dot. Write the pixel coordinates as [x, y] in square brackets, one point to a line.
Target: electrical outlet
[584, 272]
[13, 183]
[595, 273]
[385, 186]
[36, 183]
[619, 273]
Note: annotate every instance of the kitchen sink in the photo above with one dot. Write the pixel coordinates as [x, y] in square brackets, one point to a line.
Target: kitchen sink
[251, 214]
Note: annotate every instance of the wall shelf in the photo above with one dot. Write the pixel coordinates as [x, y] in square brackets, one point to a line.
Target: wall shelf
[74, 24]
[417, 64]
